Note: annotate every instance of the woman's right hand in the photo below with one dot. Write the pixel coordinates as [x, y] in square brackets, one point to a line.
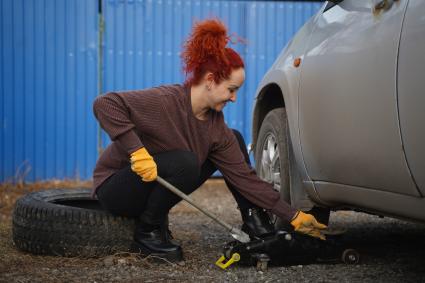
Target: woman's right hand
[143, 165]
[306, 223]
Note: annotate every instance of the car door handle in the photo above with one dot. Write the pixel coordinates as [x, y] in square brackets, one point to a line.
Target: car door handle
[383, 5]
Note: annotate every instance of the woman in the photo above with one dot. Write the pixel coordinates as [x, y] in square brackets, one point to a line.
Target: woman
[178, 132]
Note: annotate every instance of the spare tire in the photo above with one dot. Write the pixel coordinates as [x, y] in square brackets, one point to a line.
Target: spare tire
[68, 223]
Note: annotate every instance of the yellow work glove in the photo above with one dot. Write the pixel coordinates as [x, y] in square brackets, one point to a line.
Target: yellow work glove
[143, 165]
[307, 224]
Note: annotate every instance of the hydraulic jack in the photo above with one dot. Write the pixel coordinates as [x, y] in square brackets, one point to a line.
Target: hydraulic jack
[283, 248]
[279, 248]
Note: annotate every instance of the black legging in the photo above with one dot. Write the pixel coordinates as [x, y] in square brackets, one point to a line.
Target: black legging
[124, 193]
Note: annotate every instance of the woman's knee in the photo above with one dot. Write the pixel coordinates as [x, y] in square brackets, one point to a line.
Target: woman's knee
[177, 163]
[188, 162]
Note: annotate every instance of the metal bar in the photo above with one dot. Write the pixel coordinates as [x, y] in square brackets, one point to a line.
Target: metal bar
[236, 233]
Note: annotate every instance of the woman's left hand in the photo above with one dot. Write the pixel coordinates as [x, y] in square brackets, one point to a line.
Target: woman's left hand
[306, 223]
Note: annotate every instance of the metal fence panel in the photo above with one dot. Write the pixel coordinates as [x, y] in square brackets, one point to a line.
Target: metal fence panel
[47, 82]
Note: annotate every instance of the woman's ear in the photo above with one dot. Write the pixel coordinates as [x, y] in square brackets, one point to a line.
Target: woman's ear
[209, 79]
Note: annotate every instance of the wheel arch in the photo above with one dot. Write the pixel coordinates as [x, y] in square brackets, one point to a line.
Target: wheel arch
[276, 91]
[270, 97]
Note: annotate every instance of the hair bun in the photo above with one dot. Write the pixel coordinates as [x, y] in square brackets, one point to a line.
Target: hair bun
[206, 44]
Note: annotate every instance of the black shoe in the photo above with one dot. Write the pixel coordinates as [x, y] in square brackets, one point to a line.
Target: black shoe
[156, 242]
[166, 230]
[257, 222]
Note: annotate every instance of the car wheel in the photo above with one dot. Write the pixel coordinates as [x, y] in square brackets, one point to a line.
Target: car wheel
[273, 156]
[68, 222]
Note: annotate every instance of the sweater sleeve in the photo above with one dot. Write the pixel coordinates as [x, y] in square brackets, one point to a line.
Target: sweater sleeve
[114, 117]
[229, 159]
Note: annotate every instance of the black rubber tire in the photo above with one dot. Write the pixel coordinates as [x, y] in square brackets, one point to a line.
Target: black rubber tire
[70, 223]
[276, 123]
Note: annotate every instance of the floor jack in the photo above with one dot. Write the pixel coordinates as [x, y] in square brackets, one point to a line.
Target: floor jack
[283, 249]
[275, 249]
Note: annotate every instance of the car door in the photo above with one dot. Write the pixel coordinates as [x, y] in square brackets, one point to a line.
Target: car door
[411, 87]
[348, 120]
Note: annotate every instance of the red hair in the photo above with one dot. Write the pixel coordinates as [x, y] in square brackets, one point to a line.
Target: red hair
[205, 51]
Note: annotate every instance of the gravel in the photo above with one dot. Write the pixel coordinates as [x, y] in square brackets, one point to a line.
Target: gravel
[391, 251]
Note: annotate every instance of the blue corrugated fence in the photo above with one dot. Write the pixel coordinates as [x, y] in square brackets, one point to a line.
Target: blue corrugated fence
[48, 80]
[49, 68]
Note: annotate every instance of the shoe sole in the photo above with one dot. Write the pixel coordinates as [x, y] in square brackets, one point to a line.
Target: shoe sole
[174, 256]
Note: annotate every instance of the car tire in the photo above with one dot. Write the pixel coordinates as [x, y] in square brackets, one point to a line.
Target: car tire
[271, 152]
[70, 223]
[274, 155]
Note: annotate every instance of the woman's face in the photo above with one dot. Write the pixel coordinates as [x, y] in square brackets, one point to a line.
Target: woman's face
[226, 90]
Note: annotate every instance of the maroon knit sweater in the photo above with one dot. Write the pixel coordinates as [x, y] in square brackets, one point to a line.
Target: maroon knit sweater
[161, 119]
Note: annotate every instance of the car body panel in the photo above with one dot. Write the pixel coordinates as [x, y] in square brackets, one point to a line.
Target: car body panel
[368, 171]
[286, 77]
[348, 115]
[373, 201]
[411, 88]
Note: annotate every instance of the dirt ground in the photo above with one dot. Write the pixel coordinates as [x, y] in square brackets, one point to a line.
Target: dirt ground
[391, 250]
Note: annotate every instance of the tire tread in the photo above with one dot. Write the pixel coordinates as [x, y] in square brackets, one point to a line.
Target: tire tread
[40, 226]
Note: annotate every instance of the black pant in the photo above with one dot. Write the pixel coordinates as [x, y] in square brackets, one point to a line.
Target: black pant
[124, 193]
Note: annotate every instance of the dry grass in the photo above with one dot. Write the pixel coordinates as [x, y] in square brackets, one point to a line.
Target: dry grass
[9, 192]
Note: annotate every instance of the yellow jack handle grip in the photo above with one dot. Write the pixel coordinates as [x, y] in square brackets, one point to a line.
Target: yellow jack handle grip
[220, 262]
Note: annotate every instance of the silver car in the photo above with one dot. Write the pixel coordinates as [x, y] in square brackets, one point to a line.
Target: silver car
[339, 119]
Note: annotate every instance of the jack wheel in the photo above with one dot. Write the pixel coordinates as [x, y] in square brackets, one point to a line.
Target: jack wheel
[262, 262]
[350, 256]
[262, 265]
